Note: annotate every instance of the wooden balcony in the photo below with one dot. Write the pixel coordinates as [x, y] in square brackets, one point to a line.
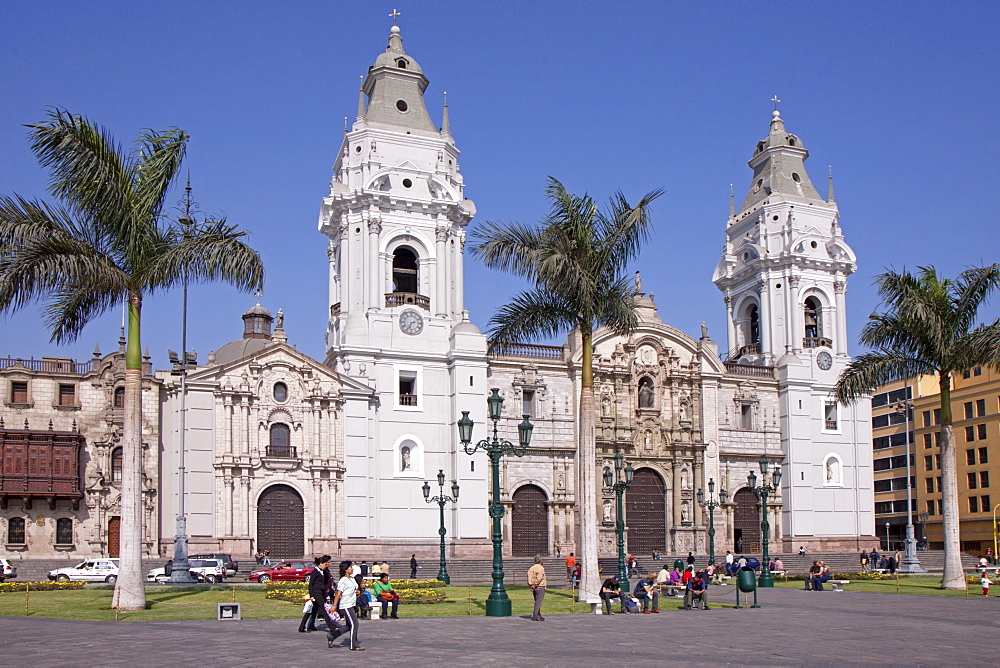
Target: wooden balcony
[40, 464]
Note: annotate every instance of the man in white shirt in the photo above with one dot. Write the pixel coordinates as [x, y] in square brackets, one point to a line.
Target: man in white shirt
[729, 558]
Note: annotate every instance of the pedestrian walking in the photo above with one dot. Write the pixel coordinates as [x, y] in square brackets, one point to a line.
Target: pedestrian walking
[536, 580]
[344, 601]
[570, 565]
[317, 599]
[986, 582]
[413, 567]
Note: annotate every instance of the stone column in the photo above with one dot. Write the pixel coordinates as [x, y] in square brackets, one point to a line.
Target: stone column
[345, 268]
[375, 285]
[765, 317]
[796, 323]
[731, 323]
[459, 273]
[697, 514]
[840, 315]
[440, 306]
[227, 491]
[675, 511]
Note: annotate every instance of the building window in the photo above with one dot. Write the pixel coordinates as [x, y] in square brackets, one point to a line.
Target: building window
[15, 530]
[937, 416]
[64, 531]
[928, 440]
[980, 408]
[968, 410]
[978, 371]
[981, 431]
[927, 418]
[970, 456]
[883, 507]
[527, 402]
[973, 504]
[983, 457]
[67, 395]
[19, 392]
[280, 441]
[830, 418]
[754, 325]
[407, 390]
[119, 397]
[646, 392]
[930, 507]
[883, 485]
[929, 463]
[984, 479]
[937, 461]
[970, 434]
[404, 270]
[929, 484]
[986, 503]
[116, 465]
[280, 393]
[972, 480]
[813, 318]
[746, 416]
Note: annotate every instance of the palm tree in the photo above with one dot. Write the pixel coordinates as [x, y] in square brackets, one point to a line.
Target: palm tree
[106, 244]
[929, 327]
[576, 258]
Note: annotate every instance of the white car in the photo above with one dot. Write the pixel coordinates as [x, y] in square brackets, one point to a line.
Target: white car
[92, 570]
[203, 570]
[7, 570]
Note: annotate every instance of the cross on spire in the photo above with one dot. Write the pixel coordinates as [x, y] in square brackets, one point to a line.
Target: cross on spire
[776, 101]
[394, 15]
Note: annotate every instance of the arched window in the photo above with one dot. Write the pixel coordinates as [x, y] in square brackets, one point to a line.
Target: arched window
[646, 392]
[15, 530]
[280, 441]
[754, 320]
[119, 397]
[116, 465]
[64, 531]
[404, 270]
[280, 393]
[813, 318]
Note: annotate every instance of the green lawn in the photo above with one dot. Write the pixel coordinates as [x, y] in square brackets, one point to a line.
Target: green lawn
[922, 585]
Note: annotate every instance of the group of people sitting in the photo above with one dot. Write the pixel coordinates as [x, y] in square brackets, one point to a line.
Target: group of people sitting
[819, 573]
[647, 590]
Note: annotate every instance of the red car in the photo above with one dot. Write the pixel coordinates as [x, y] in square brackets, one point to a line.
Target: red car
[286, 571]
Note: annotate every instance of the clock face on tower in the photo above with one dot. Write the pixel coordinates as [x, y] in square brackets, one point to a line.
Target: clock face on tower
[824, 360]
[411, 322]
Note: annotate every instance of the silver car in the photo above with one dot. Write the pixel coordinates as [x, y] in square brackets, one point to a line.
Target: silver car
[91, 570]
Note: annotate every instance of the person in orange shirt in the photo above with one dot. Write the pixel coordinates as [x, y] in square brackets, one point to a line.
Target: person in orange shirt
[570, 565]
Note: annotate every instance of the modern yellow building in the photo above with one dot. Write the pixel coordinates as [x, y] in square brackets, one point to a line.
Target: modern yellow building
[975, 405]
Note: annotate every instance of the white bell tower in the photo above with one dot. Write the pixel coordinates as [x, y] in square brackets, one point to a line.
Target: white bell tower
[395, 217]
[783, 274]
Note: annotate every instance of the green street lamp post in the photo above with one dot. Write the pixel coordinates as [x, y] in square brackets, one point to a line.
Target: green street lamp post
[762, 492]
[441, 500]
[619, 483]
[711, 504]
[498, 603]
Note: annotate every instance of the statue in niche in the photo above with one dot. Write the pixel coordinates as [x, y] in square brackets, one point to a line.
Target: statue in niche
[684, 408]
[404, 454]
[832, 471]
[606, 511]
[645, 393]
[685, 479]
[685, 512]
[561, 481]
[606, 406]
[648, 440]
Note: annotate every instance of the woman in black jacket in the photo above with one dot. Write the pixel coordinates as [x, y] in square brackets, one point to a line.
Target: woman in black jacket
[318, 588]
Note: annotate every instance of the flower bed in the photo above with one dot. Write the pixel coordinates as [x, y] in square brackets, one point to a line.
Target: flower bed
[50, 585]
[409, 592]
[868, 576]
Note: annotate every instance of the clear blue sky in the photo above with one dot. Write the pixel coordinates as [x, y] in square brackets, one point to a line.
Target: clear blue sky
[900, 97]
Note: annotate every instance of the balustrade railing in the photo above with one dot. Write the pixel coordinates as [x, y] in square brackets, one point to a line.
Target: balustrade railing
[407, 299]
[816, 342]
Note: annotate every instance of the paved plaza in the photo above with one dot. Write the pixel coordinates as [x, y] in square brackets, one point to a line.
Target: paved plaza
[793, 628]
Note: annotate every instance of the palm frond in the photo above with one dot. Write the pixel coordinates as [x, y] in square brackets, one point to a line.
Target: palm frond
[159, 160]
[214, 251]
[529, 315]
[507, 246]
[617, 308]
[972, 288]
[869, 371]
[87, 169]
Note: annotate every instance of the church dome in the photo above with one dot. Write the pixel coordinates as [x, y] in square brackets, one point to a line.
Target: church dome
[257, 310]
[235, 350]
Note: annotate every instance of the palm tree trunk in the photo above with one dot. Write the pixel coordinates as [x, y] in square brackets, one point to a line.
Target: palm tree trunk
[953, 577]
[586, 468]
[130, 592]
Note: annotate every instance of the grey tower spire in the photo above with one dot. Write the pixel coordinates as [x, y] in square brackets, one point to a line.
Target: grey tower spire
[829, 193]
[361, 98]
[445, 121]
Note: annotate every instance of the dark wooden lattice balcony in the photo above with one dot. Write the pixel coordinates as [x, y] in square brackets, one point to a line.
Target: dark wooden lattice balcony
[40, 464]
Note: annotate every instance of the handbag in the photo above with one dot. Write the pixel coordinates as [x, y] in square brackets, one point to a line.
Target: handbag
[308, 607]
[388, 595]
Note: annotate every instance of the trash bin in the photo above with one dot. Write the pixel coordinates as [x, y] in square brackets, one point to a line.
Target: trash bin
[746, 580]
[679, 563]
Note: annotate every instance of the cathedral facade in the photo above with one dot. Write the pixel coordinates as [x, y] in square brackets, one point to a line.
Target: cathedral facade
[300, 456]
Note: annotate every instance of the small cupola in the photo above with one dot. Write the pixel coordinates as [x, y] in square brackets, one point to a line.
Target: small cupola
[257, 323]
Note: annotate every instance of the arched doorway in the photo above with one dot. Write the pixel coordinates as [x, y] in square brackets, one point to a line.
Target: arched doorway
[529, 522]
[746, 522]
[646, 513]
[114, 536]
[281, 522]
